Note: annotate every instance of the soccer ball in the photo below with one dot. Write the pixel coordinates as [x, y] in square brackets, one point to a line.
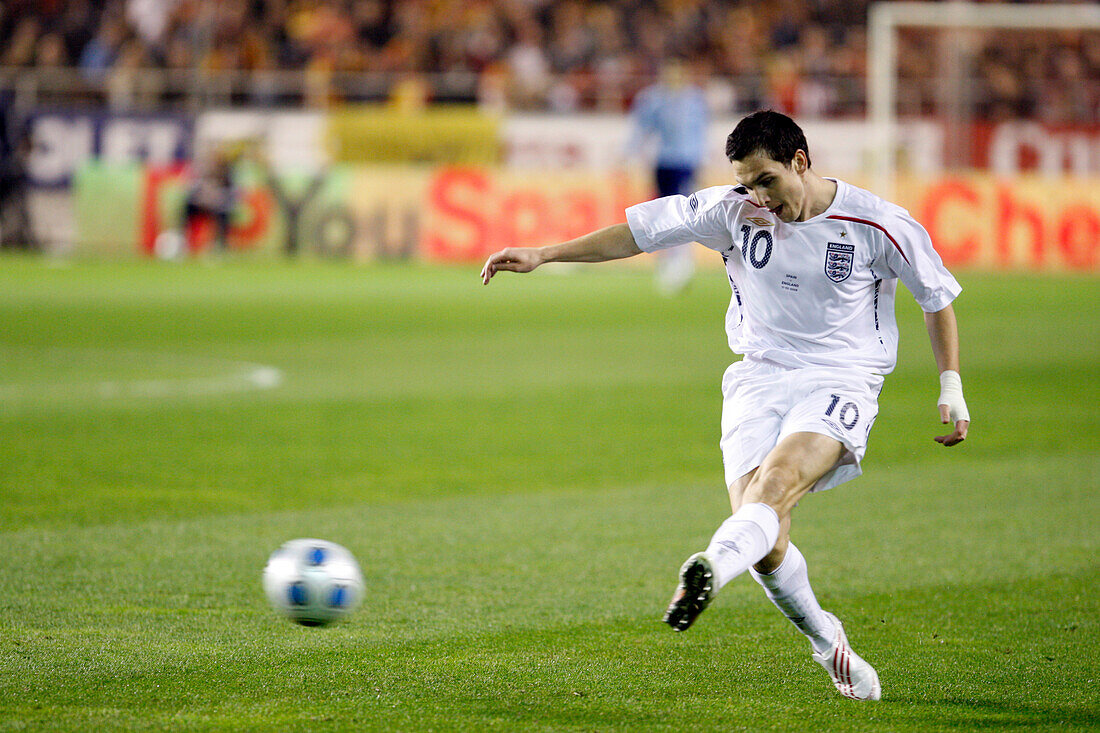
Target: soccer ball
[313, 582]
[169, 245]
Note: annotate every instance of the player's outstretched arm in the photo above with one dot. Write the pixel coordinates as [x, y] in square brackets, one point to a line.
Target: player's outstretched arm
[611, 243]
[943, 331]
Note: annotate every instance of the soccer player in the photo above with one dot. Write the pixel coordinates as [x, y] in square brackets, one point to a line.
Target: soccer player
[673, 112]
[212, 195]
[813, 264]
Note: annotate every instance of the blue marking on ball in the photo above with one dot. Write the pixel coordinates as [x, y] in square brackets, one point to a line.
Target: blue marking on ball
[297, 594]
[339, 597]
[316, 556]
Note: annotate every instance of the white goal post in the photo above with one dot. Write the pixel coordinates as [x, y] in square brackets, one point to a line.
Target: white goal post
[884, 19]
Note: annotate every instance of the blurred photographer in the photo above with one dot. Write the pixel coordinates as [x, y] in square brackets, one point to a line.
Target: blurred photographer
[16, 226]
[212, 195]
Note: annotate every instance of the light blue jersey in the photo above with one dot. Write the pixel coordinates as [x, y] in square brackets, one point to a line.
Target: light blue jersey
[678, 119]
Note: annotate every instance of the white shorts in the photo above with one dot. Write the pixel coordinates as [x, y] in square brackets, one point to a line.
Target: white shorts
[764, 402]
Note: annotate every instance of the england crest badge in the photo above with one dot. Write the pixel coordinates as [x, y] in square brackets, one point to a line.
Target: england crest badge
[838, 261]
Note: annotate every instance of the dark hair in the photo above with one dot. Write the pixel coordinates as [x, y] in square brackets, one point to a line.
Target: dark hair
[769, 132]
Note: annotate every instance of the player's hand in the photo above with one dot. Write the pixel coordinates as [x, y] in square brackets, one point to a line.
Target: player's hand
[512, 259]
[958, 435]
[953, 409]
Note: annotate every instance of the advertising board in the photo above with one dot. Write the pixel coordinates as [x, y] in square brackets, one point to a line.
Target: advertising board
[440, 135]
[126, 208]
[1028, 222]
[1008, 148]
[63, 141]
[463, 213]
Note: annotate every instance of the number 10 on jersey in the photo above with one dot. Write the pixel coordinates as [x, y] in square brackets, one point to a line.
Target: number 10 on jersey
[750, 252]
[848, 415]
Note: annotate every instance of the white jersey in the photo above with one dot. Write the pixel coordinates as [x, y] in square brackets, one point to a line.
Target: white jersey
[809, 293]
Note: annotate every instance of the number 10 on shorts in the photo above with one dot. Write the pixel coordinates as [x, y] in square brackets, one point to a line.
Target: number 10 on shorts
[847, 415]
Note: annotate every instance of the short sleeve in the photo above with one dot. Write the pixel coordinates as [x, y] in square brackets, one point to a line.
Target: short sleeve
[702, 217]
[909, 254]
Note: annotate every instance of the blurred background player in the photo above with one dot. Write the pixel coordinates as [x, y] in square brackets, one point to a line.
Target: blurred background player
[211, 197]
[16, 228]
[671, 117]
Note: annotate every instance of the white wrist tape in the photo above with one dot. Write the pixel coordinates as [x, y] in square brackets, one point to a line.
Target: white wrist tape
[951, 394]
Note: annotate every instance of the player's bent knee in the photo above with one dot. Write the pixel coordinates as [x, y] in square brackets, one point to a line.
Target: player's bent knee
[779, 480]
[778, 486]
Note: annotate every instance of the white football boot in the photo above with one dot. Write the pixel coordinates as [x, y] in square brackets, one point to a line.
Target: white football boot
[852, 676]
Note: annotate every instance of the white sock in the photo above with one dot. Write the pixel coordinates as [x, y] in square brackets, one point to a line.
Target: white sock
[742, 541]
[788, 587]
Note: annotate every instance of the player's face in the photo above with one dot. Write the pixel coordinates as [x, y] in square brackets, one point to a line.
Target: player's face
[776, 187]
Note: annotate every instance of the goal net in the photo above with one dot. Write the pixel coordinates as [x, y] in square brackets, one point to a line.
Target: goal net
[986, 119]
[970, 64]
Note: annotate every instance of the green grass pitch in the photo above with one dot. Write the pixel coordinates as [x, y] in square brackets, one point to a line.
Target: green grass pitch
[520, 470]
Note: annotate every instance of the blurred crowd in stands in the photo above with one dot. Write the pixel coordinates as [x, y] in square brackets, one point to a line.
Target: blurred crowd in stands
[805, 58]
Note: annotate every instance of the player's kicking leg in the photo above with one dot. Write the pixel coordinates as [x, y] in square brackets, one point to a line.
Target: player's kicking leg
[741, 541]
[762, 499]
[694, 592]
[757, 535]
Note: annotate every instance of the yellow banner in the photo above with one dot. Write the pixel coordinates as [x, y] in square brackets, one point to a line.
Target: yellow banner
[458, 135]
[464, 213]
[1026, 223]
